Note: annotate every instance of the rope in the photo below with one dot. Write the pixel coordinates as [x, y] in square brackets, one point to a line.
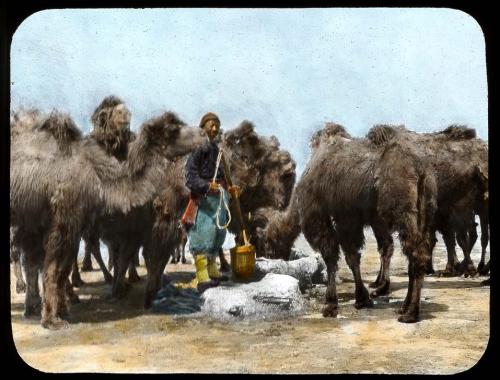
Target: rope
[221, 199]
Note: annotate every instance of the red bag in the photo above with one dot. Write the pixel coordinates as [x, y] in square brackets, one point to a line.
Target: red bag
[189, 217]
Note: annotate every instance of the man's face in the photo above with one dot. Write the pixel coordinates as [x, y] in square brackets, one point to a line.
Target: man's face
[211, 128]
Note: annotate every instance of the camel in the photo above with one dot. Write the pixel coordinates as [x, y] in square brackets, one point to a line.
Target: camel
[60, 182]
[460, 161]
[278, 230]
[111, 122]
[351, 184]
[264, 173]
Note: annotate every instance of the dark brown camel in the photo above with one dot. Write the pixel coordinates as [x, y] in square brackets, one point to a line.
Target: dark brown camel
[351, 184]
[461, 165]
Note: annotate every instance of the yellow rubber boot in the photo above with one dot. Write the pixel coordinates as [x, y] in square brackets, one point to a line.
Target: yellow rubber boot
[204, 281]
[213, 270]
[201, 262]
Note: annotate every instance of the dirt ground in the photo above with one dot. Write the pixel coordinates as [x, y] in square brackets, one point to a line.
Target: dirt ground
[107, 336]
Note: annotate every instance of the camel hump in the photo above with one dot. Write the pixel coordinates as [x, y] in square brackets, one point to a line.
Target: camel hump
[62, 128]
[381, 134]
[458, 132]
[332, 129]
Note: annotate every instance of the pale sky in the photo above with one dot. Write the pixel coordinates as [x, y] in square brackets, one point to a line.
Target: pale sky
[287, 70]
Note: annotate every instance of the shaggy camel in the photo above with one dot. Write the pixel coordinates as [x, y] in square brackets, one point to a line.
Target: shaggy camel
[351, 184]
[278, 230]
[460, 161]
[60, 183]
[111, 122]
[263, 171]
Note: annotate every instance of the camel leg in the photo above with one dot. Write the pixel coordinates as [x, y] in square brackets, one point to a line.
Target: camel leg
[95, 248]
[319, 232]
[183, 255]
[484, 243]
[418, 258]
[110, 259]
[20, 284]
[76, 280]
[32, 262]
[224, 265]
[61, 252]
[352, 258]
[351, 240]
[87, 259]
[133, 276]
[430, 266]
[385, 245]
[156, 266]
[120, 264]
[453, 267]
[466, 240]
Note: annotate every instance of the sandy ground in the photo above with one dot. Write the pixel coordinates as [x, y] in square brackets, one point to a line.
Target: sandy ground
[106, 336]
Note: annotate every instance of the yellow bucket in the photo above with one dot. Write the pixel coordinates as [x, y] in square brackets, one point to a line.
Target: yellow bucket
[243, 261]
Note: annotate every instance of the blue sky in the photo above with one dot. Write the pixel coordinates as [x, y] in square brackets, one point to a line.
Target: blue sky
[287, 70]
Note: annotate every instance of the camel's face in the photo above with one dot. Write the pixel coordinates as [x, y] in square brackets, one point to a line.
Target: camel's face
[268, 247]
[120, 117]
[179, 140]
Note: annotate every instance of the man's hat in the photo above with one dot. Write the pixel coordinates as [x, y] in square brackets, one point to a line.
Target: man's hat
[208, 116]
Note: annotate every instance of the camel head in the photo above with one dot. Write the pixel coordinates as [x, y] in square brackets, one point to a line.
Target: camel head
[170, 136]
[111, 121]
[111, 116]
[265, 172]
[268, 246]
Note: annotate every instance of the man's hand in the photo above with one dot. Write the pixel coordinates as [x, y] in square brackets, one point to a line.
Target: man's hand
[235, 191]
[213, 186]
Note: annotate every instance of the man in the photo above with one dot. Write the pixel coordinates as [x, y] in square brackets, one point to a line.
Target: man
[205, 237]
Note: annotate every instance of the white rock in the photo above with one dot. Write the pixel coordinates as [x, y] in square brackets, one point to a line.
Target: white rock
[274, 296]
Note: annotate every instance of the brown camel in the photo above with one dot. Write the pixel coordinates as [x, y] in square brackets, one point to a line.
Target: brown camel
[352, 184]
[460, 161]
[61, 182]
[111, 122]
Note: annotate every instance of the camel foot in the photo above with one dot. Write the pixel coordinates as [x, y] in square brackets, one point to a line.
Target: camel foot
[382, 289]
[408, 317]
[120, 291]
[55, 323]
[482, 270]
[34, 310]
[363, 301]
[184, 261]
[133, 278]
[330, 310]
[469, 269]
